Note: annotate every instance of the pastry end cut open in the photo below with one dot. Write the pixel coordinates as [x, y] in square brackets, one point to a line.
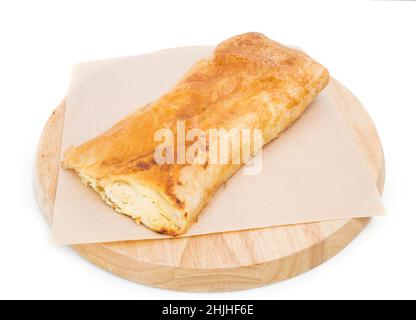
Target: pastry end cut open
[142, 203]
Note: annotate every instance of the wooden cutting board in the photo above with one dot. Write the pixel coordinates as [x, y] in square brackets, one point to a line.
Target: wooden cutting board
[227, 261]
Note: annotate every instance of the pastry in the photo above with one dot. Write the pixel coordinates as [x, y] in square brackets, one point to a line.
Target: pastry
[249, 82]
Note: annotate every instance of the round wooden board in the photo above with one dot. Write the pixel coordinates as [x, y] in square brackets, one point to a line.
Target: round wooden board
[227, 261]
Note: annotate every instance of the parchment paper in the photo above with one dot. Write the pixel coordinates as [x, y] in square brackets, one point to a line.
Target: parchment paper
[313, 172]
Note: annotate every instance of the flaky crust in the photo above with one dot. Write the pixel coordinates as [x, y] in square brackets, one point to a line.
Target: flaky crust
[250, 81]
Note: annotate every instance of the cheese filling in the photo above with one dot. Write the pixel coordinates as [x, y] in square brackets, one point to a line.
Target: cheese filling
[137, 201]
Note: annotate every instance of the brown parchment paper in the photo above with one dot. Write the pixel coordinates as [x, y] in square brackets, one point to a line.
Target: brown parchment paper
[313, 172]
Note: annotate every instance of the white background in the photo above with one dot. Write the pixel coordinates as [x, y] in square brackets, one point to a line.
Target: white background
[368, 45]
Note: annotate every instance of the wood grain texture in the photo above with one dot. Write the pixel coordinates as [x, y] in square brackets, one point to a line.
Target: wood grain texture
[227, 261]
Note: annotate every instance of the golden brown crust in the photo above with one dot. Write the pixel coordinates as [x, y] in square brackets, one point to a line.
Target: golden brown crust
[250, 80]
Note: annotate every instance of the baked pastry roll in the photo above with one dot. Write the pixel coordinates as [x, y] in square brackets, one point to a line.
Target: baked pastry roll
[249, 82]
